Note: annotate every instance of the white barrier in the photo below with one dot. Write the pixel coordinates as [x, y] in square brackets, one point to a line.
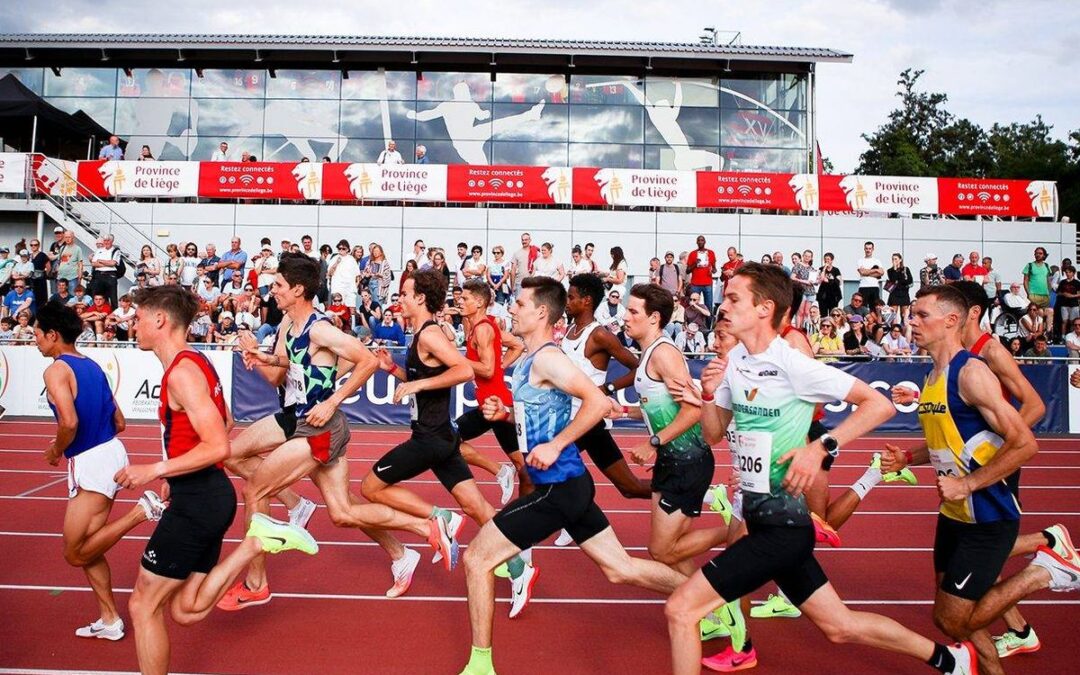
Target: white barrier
[134, 377]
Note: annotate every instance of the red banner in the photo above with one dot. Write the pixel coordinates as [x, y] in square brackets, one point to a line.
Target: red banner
[986, 196]
[513, 184]
[261, 180]
[735, 190]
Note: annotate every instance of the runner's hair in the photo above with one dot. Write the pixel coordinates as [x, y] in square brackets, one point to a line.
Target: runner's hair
[54, 315]
[768, 283]
[547, 293]
[657, 299]
[430, 283]
[590, 286]
[177, 302]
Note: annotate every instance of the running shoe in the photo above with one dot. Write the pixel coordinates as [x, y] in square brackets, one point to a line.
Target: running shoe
[1064, 576]
[152, 505]
[732, 617]
[454, 527]
[300, 514]
[730, 661]
[277, 536]
[1011, 644]
[502, 571]
[564, 539]
[241, 597]
[717, 498]
[824, 533]
[441, 537]
[904, 474]
[967, 661]
[711, 628]
[102, 631]
[1063, 545]
[403, 570]
[505, 479]
[522, 588]
[776, 606]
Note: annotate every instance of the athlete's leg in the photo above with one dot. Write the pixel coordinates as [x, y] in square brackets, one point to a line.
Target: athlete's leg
[147, 608]
[475, 458]
[86, 534]
[1007, 593]
[952, 615]
[674, 543]
[620, 568]
[87, 513]
[258, 439]
[201, 591]
[486, 551]
[1027, 544]
[628, 484]
[373, 519]
[472, 502]
[684, 610]
[398, 498]
[817, 497]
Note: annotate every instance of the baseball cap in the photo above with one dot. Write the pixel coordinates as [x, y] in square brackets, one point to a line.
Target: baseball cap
[225, 315]
[267, 247]
[930, 256]
[57, 229]
[24, 252]
[5, 249]
[855, 318]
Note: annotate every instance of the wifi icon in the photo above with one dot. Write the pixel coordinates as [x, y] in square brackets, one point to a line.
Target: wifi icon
[983, 196]
[246, 179]
[496, 183]
[744, 190]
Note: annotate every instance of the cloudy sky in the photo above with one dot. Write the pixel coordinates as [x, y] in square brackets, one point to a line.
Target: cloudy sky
[998, 61]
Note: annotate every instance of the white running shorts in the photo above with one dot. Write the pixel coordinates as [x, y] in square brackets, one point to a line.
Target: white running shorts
[94, 469]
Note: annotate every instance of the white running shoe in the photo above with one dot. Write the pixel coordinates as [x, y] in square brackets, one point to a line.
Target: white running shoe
[505, 479]
[1063, 576]
[564, 539]
[522, 589]
[966, 659]
[454, 528]
[300, 514]
[403, 570]
[102, 631]
[152, 506]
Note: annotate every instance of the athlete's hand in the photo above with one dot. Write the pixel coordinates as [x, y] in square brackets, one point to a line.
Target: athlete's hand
[247, 341]
[893, 459]
[643, 453]
[166, 491]
[321, 413]
[1074, 379]
[493, 409]
[733, 479]
[685, 392]
[52, 455]
[405, 389]
[952, 488]
[805, 464]
[615, 410]
[386, 361]
[543, 456]
[713, 375]
[903, 395]
[134, 475]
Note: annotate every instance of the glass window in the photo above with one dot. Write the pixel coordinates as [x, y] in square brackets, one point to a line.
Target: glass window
[763, 128]
[364, 149]
[32, 78]
[102, 110]
[682, 158]
[155, 83]
[530, 122]
[780, 92]
[606, 124]
[767, 160]
[306, 84]
[161, 147]
[454, 87]
[693, 126]
[152, 116]
[691, 92]
[364, 119]
[609, 89]
[525, 88]
[203, 148]
[294, 117]
[453, 120]
[81, 82]
[376, 85]
[285, 149]
[227, 117]
[529, 153]
[229, 84]
[607, 156]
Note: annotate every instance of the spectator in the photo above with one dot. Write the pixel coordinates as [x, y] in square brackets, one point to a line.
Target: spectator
[453, 307]
[339, 312]
[578, 263]
[805, 277]
[547, 266]
[812, 324]
[475, 268]
[40, 269]
[71, 260]
[209, 264]
[777, 259]
[225, 330]
[174, 264]
[368, 310]
[827, 342]
[19, 299]
[671, 276]
[112, 151]
[149, 265]
[325, 252]
[1072, 340]
[1013, 299]
[23, 331]
[245, 156]
[97, 313]
[899, 288]
[870, 272]
[1016, 348]
[696, 310]
[954, 271]
[734, 262]
[233, 289]
[208, 292]
[438, 263]
[856, 337]
[265, 267]
[1068, 297]
[54, 251]
[857, 306]
[1039, 350]
[122, 320]
[766, 259]
[419, 252]
[307, 247]
[654, 271]
[701, 264]
[678, 317]
[62, 294]
[974, 271]
[7, 330]
[992, 280]
[199, 330]
[1032, 324]
[191, 266]
[410, 269]
[344, 274]
[388, 331]
[1036, 282]
[611, 314]
[616, 276]
[495, 273]
[248, 313]
[80, 300]
[145, 156]
[691, 341]
[930, 274]
[421, 154]
[221, 154]
[7, 266]
[872, 347]
[589, 249]
[232, 262]
[830, 292]
[390, 155]
[379, 273]
[894, 343]
[521, 263]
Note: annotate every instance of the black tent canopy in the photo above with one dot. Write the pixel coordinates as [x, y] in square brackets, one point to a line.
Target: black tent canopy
[59, 134]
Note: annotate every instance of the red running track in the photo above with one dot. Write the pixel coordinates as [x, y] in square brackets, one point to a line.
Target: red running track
[329, 614]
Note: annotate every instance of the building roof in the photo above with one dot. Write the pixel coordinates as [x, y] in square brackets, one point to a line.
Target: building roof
[330, 51]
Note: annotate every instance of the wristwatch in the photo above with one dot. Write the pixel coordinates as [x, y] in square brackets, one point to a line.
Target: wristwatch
[831, 447]
[654, 441]
[609, 388]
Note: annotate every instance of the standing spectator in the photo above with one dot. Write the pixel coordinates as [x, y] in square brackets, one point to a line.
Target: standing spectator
[390, 155]
[419, 252]
[286, 248]
[459, 267]
[589, 249]
[930, 274]
[144, 156]
[734, 262]
[495, 273]
[438, 263]
[106, 266]
[671, 276]
[421, 155]
[54, 251]
[702, 266]
[112, 151]
[1072, 340]
[71, 260]
[265, 266]
[323, 294]
[974, 270]
[654, 271]
[954, 271]
[992, 280]
[616, 276]
[870, 272]
[307, 247]
[1036, 282]
[578, 263]
[410, 269]
[39, 276]
[475, 268]
[804, 276]
[899, 288]
[831, 285]
[19, 299]
[521, 263]
[1068, 297]
[7, 267]
[191, 265]
[149, 266]
[245, 156]
[232, 262]
[612, 314]
[547, 266]
[174, 264]
[221, 154]
[379, 273]
[209, 264]
[778, 260]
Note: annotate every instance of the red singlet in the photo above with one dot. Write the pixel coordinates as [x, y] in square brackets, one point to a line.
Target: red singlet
[819, 409]
[177, 434]
[977, 348]
[496, 384]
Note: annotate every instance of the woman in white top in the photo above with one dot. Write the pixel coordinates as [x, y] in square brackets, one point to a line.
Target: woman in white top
[546, 265]
[579, 264]
[474, 267]
[344, 274]
[496, 275]
[174, 266]
[149, 265]
[191, 265]
[266, 269]
[616, 275]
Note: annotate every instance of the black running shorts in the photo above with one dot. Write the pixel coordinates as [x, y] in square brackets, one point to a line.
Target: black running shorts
[551, 507]
[600, 446]
[420, 453]
[188, 537]
[286, 419]
[768, 553]
[682, 484]
[473, 424]
[971, 555]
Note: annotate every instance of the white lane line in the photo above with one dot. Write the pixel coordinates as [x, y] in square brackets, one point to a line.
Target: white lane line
[41, 487]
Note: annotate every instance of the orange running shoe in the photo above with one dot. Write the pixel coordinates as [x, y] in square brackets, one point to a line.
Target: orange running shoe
[241, 597]
[824, 533]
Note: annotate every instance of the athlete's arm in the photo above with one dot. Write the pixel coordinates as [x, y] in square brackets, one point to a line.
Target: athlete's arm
[343, 346]
[978, 388]
[484, 335]
[442, 350]
[514, 348]
[119, 421]
[611, 344]
[272, 367]
[58, 378]
[1004, 366]
[671, 367]
[554, 368]
[715, 418]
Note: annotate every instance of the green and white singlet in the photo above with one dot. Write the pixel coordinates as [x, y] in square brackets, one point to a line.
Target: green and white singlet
[659, 410]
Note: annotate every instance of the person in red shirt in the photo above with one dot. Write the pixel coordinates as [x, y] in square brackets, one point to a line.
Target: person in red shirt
[339, 313]
[702, 266]
[974, 271]
[734, 262]
[96, 314]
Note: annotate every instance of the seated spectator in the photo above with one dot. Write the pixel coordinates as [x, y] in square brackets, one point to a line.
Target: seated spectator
[856, 337]
[1014, 298]
[122, 320]
[62, 294]
[827, 342]
[857, 307]
[691, 341]
[1016, 347]
[339, 312]
[368, 311]
[872, 347]
[1072, 340]
[1039, 350]
[23, 331]
[208, 292]
[388, 331]
[200, 327]
[611, 314]
[840, 320]
[1032, 324]
[696, 311]
[265, 266]
[19, 299]
[363, 335]
[678, 316]
[80, 300]
[247, 319]
[234, 288]
[96, 314]
[894, 343]
[225, 330]
[813, 320]
[7, 330]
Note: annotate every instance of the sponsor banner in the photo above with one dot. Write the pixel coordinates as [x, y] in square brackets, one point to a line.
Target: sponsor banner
[513, 184]
[372, 182]
[879, 194]
[56, 177]
[736, 190]
[984, 196]
[109, 178]
[134, 377]
[261, 180]
[634, 187]
[12, 172]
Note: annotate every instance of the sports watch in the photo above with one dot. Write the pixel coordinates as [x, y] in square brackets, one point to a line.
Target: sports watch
[830, 445]
[654, 441]
[609, 388]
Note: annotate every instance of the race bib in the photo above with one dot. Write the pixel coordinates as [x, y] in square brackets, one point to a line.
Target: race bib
[294, 385]
[519, 427]
[944, 463]
[733, 446]
[755, 457]
[414, 411]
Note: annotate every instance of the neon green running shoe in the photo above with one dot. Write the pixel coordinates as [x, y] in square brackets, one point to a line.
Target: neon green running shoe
[502, 571]
[732, 617]
[776, 606]
[277, 536]
[1010, 643]
[711, 628]
[719, 502]
[904, 474]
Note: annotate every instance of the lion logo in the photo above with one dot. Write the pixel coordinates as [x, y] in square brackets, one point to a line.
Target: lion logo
[57, 177]
[308, 180]
[805, 187]
[1044, 198]
[359, 180]
[558, 184]
[112, 175]
[610, 185]
[854, 192]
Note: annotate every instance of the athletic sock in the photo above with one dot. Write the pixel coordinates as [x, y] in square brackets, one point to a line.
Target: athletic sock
[1023, 634]
[479, 660]
[437, 512]
[516, 565]
[526, 555]
[1051, 540]
[747, 646]
[864, 485]
[942, 659]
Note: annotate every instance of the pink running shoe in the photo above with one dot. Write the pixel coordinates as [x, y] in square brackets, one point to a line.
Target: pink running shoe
[824, 533]
[730, 661]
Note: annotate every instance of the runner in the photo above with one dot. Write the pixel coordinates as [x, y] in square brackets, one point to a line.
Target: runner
[543, 385]
[306, 363]
[433, 367]
[180, 564]
[976, 440]
[484, 350]
[771, 389]
[88, 421]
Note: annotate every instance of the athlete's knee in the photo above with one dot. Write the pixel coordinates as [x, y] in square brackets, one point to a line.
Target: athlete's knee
[74, 557]
[948, 623]
[183, 617]
[618, 573]
[840, 629]
[339, 514]
[679, 609]
[139, 605]
[370, 490]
